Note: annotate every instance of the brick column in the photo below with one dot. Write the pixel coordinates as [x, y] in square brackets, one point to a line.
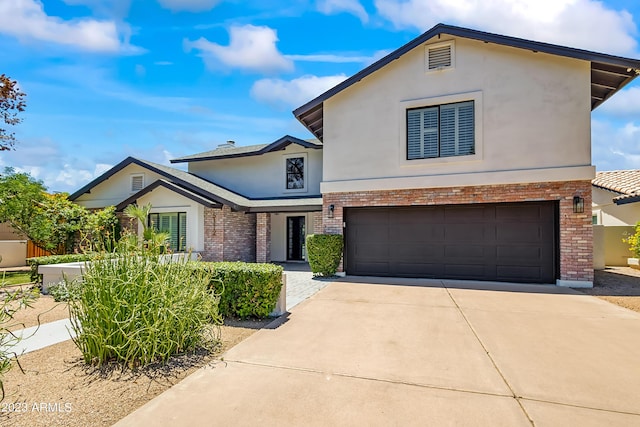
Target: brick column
[263, 237]
[213, 234]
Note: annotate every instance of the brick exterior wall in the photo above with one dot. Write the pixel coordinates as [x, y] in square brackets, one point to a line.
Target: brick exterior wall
[229, 236]
[213, 235]
[263, 237]
[126, 223]
[317, 223]
[576, 230]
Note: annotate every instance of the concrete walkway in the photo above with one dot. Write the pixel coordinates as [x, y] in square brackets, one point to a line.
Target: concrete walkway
[417, 352]
[42, 336]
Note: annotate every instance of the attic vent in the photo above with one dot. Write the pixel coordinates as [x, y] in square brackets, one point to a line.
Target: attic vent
[137, 183]
[228, 144]
[439, 56]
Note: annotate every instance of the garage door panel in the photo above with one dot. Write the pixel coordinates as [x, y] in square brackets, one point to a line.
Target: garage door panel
[466, 214]
[427, 270]
[519, 232]
[372, 251]
[511, 272]
[465, 271]
[519, 254]
[407, 232]
[466, 251]
[416, 251]
[510, 242]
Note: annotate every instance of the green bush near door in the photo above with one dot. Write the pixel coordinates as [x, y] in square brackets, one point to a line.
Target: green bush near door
[324, 252]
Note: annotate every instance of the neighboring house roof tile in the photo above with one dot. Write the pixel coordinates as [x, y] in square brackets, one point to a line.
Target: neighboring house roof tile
[609, 73]
[204, 191]
[624, 182]
[230, 151]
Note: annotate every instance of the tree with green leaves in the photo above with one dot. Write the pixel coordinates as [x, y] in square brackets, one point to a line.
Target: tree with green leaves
[52, 221]
[12, 102]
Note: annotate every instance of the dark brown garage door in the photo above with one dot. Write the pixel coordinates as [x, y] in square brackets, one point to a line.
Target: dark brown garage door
[503, 242]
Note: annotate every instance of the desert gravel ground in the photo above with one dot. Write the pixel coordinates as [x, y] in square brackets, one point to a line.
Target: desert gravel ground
[58, 389]
[618, 285]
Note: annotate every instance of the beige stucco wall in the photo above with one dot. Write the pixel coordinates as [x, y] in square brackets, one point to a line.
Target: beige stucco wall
[279, 233]
[609, 213]
[532, 121]
[13, 253]
[164, 200]
[116, 189]
[262, 176]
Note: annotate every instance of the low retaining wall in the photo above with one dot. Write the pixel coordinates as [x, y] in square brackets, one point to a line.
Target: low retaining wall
[13, 253]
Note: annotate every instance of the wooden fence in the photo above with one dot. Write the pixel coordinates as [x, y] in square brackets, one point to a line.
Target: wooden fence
[33, 250]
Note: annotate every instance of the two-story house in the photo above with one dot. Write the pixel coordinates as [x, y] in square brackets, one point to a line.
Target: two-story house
[462, 154]
[465, 155]
[254, 203]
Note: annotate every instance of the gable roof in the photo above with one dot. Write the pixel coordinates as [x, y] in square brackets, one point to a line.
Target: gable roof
[624, 182]
[228, 152]
[609, 73]
[203, 200]
[203, 191]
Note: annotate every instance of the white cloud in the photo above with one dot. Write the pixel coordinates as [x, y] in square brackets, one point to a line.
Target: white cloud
[293, 92]
[329, 7]
[189, 5]
[27, 20]
[615, 147]
[587, 24]
[250, 48]
[339, 58]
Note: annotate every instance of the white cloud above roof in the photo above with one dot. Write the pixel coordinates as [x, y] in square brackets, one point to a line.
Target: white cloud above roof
[586, 24]
[27, 20]
[293, 93]
[251, 48]
[189, 5]
[331, 7]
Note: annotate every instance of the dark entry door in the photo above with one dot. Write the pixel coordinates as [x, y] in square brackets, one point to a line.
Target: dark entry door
[514, 242]
[295, 238]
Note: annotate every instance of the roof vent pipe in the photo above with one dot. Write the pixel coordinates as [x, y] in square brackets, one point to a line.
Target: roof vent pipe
[228, 144]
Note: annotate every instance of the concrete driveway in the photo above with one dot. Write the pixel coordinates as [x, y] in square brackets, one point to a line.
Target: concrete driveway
[419, 352]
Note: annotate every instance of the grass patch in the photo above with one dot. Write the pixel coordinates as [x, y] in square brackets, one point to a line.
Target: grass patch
[15, 278]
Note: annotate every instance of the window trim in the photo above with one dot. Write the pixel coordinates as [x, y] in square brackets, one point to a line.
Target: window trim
[305, 172]
[475, 96]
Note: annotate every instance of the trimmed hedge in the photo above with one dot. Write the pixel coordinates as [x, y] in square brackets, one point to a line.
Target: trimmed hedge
[35, 262]
[246, 289]
[324, 252]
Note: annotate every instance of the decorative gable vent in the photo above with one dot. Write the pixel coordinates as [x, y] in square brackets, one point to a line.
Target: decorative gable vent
[439, 56]
[137, 183]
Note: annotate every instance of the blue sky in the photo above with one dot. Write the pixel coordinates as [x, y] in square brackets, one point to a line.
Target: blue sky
[158, 79]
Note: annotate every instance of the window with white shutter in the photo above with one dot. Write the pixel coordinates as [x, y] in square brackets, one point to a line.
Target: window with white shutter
[441, 131]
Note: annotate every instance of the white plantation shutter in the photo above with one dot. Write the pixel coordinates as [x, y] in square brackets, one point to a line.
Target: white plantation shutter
[422, 133]
[466, 129]
[443, 131]
[182, 219]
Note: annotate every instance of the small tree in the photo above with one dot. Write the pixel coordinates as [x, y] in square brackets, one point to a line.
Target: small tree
[634, 241]
[12, 102]
[151, 237]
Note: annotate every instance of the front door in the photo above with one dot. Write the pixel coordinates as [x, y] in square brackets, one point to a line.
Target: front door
[295, 238]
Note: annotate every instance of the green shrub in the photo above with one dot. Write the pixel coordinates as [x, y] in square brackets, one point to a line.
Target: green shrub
[67, 290]
[324, 252]
[246, 289]
[35, 262]
[634, 241]
[136, 309]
